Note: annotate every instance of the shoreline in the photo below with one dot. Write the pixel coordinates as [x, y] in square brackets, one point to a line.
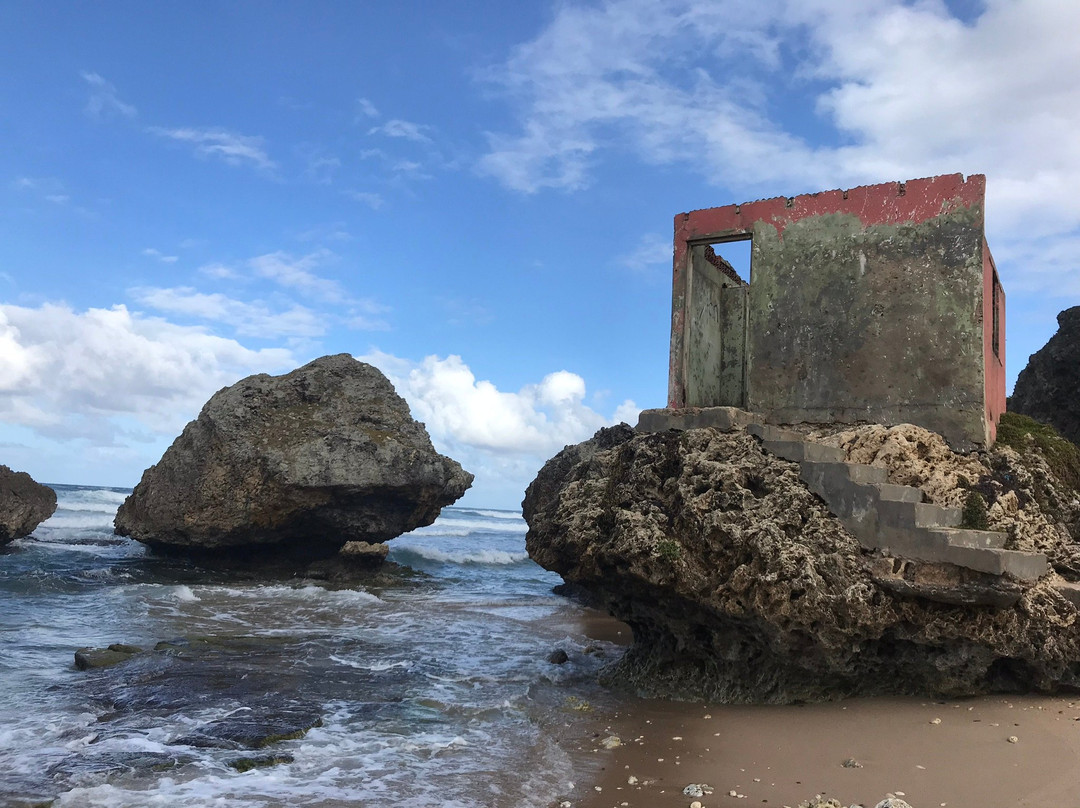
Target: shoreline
[928, 752]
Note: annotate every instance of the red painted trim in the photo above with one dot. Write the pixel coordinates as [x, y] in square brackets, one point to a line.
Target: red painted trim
[994, 364]
[886, 203]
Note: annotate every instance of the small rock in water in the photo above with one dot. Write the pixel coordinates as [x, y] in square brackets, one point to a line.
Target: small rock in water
[364, 553]
[936, 721]
[892, 802]
[611, 741]
[558, 657]
[851, 763]
[1013, 739]
[631, 780]
[87, 658]
[696, 804]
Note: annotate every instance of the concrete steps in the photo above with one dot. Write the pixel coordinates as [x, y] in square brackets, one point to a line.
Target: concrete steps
[881, 515]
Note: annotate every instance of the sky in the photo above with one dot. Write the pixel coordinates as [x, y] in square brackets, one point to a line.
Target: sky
[475, 197]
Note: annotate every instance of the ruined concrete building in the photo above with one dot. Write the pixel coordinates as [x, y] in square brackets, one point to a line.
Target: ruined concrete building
[877, 304]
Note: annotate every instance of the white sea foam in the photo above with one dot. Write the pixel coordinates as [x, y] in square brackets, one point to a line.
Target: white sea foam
[514, 515]
[183, 593]
[465, 556]
[424, 689]
[374, 667]
[465, 527]
[69, 519]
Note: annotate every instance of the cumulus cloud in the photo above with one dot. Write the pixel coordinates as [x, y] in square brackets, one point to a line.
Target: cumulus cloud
[502, 437]
[104, 99]
[233, 148]
[90, 375]
[458, 408]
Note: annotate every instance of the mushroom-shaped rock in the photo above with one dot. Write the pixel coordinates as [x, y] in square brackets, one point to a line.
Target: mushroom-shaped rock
[1046, 389]
[24, 504]
[298, 464]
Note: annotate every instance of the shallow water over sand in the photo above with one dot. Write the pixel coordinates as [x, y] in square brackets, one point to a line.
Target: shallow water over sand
[432, 687]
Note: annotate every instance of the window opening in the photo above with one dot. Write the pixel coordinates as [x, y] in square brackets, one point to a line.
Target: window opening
[732, 259]
[995, 306]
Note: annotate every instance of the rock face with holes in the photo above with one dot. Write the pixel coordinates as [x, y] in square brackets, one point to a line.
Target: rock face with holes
[24, 504]
[742, 585]
[299, 464]
[1047, 388]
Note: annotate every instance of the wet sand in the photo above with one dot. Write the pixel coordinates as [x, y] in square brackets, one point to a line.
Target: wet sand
[954, 753]
[931, 753]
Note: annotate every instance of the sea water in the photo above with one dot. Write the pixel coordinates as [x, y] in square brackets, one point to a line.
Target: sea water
[431, 688]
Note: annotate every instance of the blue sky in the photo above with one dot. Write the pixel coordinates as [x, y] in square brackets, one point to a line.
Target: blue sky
[477, 197]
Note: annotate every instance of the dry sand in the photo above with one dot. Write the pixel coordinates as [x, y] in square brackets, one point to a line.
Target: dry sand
[930, 753]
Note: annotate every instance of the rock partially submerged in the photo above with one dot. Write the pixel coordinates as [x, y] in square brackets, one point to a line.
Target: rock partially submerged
[299, 464]
[741, 586]
[24, 504]
[1047, 389]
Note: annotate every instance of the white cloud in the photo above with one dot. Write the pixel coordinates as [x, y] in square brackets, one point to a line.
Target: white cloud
[501, 437]
[150, 252]
[48, 188]
[910, 90]
[219, 271]
[88, 375]
[254, 319]
[104, 99]
[233, 148]
[365, 109]
[372, 200]
[296, 273]
[653, 252]
[365, 314]
[538, 419]
[407, 130]
[321, 166]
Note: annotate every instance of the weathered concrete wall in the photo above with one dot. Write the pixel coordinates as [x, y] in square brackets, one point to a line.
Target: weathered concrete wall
[705, 334]
[864, 305]
[715, 364]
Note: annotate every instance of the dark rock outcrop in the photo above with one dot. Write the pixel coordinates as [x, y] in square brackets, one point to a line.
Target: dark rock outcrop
[740, 586]
[24, 504]
[1048, 389]
[298, 464]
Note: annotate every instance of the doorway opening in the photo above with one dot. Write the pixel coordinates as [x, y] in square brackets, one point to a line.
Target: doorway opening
[717, 311]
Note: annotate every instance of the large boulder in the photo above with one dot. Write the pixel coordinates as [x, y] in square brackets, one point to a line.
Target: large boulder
[740, 586]
[1048, 389]
[24, 504]
[298, 464]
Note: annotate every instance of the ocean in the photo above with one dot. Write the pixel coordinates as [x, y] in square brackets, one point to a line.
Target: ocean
[431, 687]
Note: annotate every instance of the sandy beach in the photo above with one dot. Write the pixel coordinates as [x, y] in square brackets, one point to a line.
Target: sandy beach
[930, 753]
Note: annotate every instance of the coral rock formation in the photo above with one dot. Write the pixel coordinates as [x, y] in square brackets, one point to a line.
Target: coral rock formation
[740, 586]
[299, 464]
[24, 504]
[1047, 389]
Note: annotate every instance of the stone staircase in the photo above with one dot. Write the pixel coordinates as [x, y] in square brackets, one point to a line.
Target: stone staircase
[882, 516]
[893, 518]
